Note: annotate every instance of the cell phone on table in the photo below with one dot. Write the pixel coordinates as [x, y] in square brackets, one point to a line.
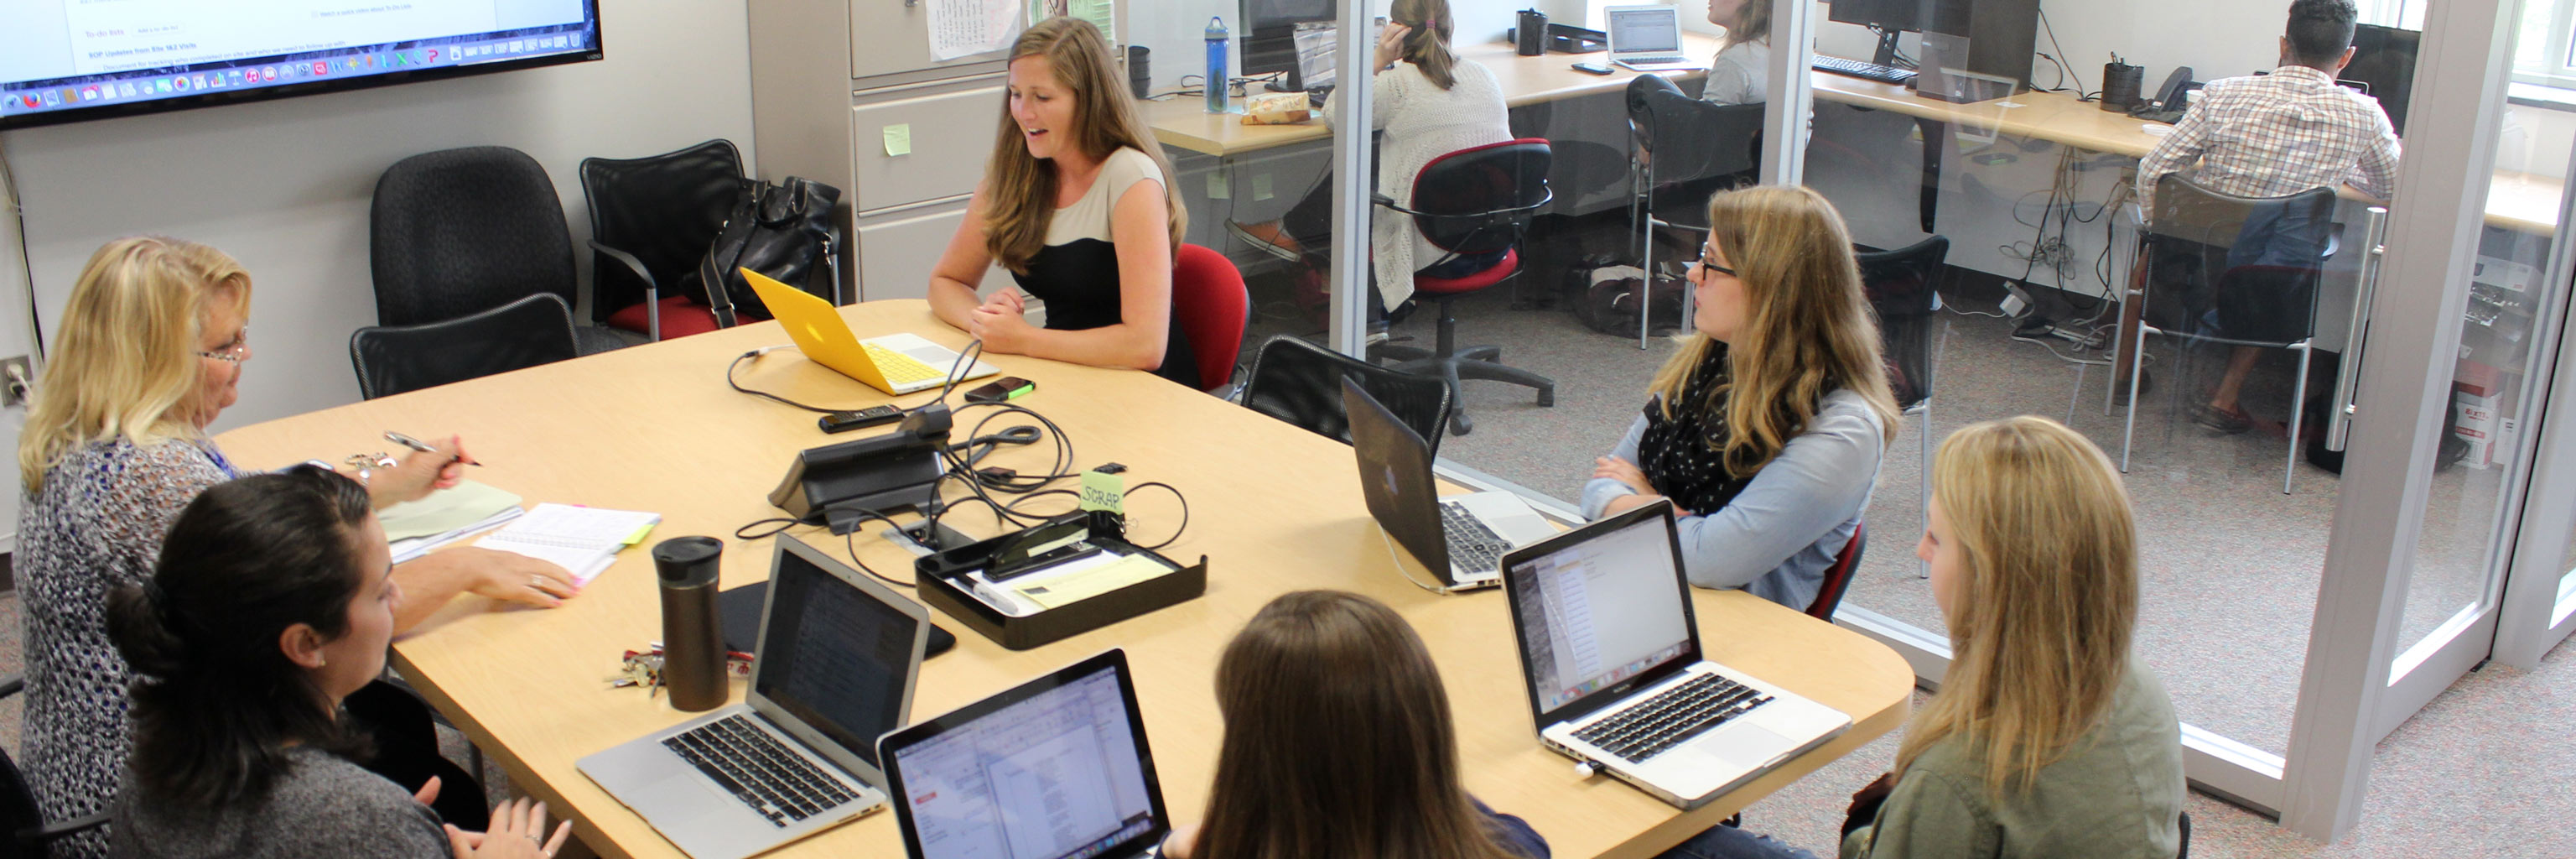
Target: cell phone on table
[867, 417]
[1001, 390]
[1594, 68]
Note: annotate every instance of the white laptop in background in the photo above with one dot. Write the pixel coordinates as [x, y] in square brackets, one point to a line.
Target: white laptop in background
[1647, 38]
[1611, 656]
[838, 656]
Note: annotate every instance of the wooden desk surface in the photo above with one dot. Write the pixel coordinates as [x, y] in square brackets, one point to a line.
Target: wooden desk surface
[1273, 507]
[1183, 121]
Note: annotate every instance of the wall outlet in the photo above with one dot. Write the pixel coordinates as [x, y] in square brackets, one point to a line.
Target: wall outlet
[17, 374]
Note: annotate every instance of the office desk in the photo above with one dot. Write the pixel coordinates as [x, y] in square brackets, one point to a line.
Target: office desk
[1275, 509]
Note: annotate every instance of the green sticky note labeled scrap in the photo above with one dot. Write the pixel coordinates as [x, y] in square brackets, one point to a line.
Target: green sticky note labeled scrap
[898, 139]
[1104, 492]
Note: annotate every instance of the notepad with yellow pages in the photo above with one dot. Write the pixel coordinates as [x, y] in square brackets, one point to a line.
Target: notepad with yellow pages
[583, 540]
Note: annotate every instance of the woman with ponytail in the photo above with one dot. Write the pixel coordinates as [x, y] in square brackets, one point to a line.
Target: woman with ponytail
[272, 602]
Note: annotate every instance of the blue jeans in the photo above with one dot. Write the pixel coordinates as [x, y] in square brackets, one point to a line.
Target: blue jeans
[1727, 842]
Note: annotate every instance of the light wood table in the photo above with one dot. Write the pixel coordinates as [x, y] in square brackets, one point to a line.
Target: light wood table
[1274, 508]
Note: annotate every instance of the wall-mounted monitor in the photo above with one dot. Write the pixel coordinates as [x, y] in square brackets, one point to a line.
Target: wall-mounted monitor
[75, 60]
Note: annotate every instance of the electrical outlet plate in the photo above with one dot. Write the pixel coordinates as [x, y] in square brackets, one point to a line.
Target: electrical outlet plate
[16, 366]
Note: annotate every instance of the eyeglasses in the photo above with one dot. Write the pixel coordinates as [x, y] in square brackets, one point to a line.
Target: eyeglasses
[1703, 262]
[234, 353]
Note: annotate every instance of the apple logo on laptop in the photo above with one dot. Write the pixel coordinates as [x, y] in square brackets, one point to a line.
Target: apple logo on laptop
[1388, 475]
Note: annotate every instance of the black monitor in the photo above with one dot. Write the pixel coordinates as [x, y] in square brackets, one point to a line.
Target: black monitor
[2383, 66]
[1270, 36]
[1884, 17]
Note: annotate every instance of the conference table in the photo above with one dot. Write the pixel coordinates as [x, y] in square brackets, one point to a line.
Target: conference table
[1274, 509]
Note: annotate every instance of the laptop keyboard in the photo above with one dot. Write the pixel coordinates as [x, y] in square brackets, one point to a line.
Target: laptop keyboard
[1472, 546]
[780, 784]
[900, 368]
[1648, 727]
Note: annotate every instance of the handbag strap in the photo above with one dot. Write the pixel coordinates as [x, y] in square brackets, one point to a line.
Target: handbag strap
[716, 275]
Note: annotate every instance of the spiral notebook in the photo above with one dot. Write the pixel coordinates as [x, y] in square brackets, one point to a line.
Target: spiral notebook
[583, 540]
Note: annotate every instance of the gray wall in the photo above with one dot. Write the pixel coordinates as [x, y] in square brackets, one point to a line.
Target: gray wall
[284, 185]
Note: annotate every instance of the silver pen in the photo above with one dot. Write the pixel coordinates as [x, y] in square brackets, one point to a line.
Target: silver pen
[422, 446]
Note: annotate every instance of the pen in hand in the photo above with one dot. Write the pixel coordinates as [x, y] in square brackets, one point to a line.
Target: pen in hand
[422, 446]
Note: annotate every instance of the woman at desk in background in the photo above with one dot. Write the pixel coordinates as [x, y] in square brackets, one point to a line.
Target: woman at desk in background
[1767, 425]
[1077, 203]
[1338, 742]
[150, 350]
[274, 602]
[2047, 738]
[1741, 71]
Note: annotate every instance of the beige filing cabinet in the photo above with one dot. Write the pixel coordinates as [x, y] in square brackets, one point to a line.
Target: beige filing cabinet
[837, 89]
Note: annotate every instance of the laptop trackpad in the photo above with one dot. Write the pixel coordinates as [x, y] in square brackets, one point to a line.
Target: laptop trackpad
[680, 798]
[1743, 747]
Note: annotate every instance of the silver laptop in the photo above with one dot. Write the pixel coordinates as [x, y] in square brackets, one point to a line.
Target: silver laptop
[1056, 768]
[1460, 539]
[1647, 38]
[838, 655]
[1610, 652]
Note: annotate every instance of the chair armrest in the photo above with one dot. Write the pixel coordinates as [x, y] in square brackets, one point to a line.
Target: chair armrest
[632, 264]
[57, 830]
[652, 291]
[12, 685]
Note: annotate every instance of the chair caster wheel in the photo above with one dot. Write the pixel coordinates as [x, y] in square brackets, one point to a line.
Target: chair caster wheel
[1547, 398]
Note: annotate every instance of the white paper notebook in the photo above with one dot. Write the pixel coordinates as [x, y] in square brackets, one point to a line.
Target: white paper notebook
[583, 540]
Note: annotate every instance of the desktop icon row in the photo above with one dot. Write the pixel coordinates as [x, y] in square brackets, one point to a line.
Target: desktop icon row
[254, 75]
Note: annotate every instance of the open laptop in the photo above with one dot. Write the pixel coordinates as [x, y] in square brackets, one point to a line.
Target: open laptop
[1056, 768]
[1461, 539]
[837, 661]
[895, 363]
[1647, 38]
[1610, 652]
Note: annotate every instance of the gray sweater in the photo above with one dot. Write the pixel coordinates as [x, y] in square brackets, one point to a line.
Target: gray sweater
[322, 808]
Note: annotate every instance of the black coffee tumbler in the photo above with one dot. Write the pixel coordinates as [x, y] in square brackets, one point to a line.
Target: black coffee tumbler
[1140, 70]
[2120, 83]
[1529, 32]
[693, 654]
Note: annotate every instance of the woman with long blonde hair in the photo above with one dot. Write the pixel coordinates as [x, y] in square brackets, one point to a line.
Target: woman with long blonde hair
[1077, 202]
[1338, 742]
[2047, 738]
[1766, 427]
[150, 349]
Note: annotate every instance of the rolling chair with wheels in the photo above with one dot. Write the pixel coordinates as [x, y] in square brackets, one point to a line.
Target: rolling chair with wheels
[1903, 286]
[391, 360]
[1210, 304]
[1301, 383]
[30, 835]
[1681, 150]
[1474, 204]
[651, 220]
[2236, 271]
[461, 231]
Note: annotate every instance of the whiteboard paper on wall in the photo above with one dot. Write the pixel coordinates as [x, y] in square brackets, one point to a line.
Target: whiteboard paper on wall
[961, 28]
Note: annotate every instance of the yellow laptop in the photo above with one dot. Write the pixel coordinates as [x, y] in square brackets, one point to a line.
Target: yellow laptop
[895, 363]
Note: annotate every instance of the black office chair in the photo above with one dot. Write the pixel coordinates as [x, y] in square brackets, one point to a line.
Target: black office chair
[30, 835]
[1903, 286]
[393, 359]
[1301, 383]
[1681, 151]
[461, 231]
[2237, 271]
[651, 221]
[1473, 204]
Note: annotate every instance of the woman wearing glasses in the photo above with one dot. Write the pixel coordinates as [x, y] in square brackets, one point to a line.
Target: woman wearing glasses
[150, 349]
[1766, 426]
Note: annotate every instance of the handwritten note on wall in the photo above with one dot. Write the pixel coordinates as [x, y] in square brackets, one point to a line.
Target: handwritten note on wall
[960, 28]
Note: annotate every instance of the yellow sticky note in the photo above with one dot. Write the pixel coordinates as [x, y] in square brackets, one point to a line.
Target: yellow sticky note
[898, 139]
[1218, 187]
[1090, 583]
[638, 536]
[1261, 186]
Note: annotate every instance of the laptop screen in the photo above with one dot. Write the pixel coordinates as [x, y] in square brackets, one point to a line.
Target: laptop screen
[1652, 30]
[1055, 769]
[1596, 608]
[833, 656]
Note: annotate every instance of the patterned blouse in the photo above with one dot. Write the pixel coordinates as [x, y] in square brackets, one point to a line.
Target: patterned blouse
[95, 524]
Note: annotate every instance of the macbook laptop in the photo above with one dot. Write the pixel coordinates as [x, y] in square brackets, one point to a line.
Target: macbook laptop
[1647, 38]
[895, 363]
[1054, 769]
[837, 660]
[1461, 539]
[1610, 652]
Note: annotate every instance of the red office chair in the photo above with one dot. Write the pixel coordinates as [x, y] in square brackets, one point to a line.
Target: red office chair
[1212, 308]
[1473, 203]
[1838, 577]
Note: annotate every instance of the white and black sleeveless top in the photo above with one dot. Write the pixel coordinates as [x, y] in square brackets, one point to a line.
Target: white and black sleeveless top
[1076, 273]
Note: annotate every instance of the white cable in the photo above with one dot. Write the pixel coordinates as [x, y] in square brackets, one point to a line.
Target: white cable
[1399, 562]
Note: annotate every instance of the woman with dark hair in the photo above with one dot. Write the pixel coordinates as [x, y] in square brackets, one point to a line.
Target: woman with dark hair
[1339, 671]
[273, 601]
[1077, 203]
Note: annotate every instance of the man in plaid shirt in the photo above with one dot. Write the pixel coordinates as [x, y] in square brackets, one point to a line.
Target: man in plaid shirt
[2274, 135]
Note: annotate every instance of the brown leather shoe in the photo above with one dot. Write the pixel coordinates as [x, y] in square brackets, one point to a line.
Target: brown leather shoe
[1269, 238]
[2221, 421]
